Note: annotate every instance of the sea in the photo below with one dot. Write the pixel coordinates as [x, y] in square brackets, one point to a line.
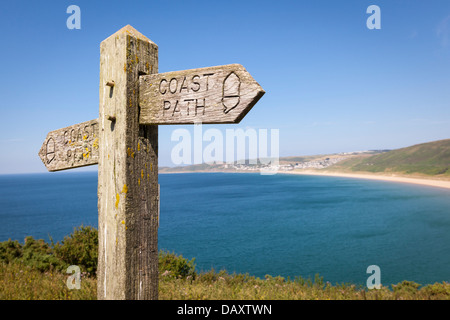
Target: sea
[279, 225]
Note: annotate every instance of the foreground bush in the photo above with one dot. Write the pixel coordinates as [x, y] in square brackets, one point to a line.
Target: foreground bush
[36, 270]
[34, 253]
[80, 249]
[175, 266]
[22, 282]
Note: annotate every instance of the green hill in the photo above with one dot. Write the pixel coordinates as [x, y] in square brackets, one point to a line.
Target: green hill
[432, 158]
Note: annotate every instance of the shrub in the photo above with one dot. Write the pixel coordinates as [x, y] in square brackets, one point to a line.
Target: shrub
[437, 291]
[80, 248]
[34, 253]
[176, 265]
[39, 255]
[406, 288]
[10, 250]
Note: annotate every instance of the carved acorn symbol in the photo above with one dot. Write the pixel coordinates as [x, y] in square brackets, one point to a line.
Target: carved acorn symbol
[231, 92]
[50, 150]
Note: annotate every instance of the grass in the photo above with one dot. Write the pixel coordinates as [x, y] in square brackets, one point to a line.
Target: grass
[430, 159]
[219, 286]
[36, 271]
[21, 282]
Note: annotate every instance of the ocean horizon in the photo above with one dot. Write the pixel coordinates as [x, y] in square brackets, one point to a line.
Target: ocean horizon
[287, 225]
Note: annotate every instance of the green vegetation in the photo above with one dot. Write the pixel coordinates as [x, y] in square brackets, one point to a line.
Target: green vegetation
[36, 270]
[191, 168]
[174, 266]
[80, 248]
[19, 281]
[432, 158]
[221, 285]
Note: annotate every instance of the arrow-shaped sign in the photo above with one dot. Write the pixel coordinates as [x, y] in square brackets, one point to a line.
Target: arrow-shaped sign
[71, 147]
[222, 94]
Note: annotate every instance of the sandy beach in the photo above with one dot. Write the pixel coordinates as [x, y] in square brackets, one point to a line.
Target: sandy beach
[438, 183]
[422, 181]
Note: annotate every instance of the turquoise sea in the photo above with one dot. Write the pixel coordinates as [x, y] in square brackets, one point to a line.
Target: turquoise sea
[284, 225]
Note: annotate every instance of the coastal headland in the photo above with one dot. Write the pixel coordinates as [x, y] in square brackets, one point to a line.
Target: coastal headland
[425, 164]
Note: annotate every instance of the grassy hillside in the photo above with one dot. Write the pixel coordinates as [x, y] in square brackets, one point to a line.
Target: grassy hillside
[37, 270]
[190, 168]
[432, 158]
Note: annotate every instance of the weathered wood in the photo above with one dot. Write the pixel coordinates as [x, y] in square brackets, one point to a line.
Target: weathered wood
[71, 147]
[124, 143]
[222, 94]
[128, 172]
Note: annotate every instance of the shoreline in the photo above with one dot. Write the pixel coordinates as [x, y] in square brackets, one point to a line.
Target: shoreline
[443, 184]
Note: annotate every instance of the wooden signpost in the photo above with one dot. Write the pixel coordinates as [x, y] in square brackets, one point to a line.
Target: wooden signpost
[222, 94]
[123, 141]
[71, 147]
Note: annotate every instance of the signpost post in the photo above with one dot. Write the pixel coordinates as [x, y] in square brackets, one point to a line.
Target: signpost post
[123, 141]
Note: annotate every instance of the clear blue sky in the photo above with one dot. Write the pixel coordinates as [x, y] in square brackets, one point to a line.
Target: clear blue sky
[332, 85]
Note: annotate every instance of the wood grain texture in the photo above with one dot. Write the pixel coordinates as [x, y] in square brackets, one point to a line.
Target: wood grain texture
[128, 172]
[222, 94]
[71, 147]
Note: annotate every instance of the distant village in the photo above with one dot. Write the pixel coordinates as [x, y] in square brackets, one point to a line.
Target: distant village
[320, 163]
[284, 164]
[315, 164]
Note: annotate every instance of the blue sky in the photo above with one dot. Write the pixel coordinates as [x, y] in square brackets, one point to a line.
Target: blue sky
[332, 85]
